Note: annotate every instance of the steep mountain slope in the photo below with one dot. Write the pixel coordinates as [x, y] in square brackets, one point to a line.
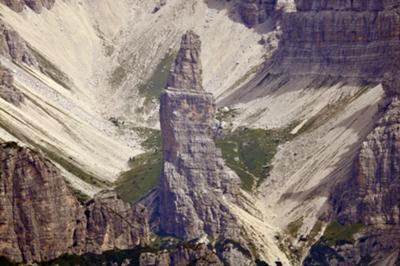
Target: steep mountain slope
[106, 62]
[80, 81]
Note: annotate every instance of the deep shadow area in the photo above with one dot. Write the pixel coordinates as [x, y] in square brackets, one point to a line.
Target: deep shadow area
[232, 10]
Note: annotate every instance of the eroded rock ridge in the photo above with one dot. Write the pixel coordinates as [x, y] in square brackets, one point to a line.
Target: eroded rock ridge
[35, 5]
[254, 12]
[42, 220]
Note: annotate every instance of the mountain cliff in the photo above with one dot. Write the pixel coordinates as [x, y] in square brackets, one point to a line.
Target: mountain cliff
[292, 91]
[42, 220]
[371, 197]
[348, 38]
[196, 188]
[35, 5]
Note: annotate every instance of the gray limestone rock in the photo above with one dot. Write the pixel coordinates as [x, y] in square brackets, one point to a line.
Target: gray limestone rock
[14, 47]
[42, 220]
[7, 90]
[187, 73]
[254, 12]
[35, 5]
[195, 184]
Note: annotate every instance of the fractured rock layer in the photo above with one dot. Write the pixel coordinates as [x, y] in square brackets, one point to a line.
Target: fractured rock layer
[372, 196]
[187, 73]
[42, 220]
[254, 12]
[349, 38]
[7, 90]
[35, 5]
[195, 184]
[200, 255]
[14, 47]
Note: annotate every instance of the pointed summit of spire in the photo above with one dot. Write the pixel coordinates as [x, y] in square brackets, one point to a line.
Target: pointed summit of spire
[187, 71]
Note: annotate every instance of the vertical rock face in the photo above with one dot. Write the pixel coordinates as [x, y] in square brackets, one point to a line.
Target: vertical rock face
[187, 73]
[41, 219]
[356, 38]
[112, 224]
[375, 193]
[35, 5]
[14, 47]
[372, 196]
[194, 184]
[38, 212]
[16, 5]
[254, 12]
[7, 90]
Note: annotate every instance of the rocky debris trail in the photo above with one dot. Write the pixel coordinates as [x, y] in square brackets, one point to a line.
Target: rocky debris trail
[371, 197]
[35, 5]
[42, 220]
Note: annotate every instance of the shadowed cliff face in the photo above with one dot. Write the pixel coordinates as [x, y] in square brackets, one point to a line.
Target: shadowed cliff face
[371, 198]
[254, 12]
[42, 220]
[194, 184]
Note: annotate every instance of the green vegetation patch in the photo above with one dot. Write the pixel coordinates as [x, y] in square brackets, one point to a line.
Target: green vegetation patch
[294, 227]
[145, 169]
[152, 88]
[249, 152]
[337, 233]
[118, 257]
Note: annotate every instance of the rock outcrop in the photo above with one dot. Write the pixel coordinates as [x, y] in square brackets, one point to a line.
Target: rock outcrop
[35, 5]
[42, 220]
[7, 90]
[198, 256]
[39, 215]
[112, 224]
[371, 198]
[254, 12]
[195, 185]
[187, 73]
[348, 38]
[14, 47]
[374, 195]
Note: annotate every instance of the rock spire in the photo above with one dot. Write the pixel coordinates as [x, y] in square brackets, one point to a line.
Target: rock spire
[187, 72]
[195, 184]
